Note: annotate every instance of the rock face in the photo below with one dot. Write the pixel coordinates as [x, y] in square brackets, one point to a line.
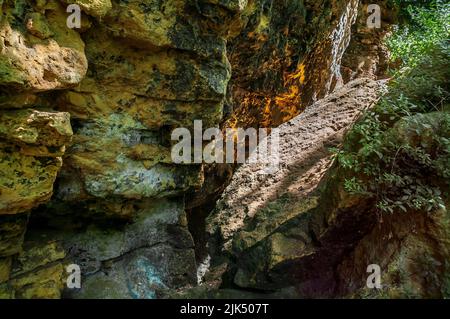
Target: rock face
[367, 55]
[165, 76]
[86, 115]
[268, 227]
[142, 259]
[48, 56]
[411, 247]
[287, 57]
[32, 145]
[300, 234]
[303, 161]
[153, 66]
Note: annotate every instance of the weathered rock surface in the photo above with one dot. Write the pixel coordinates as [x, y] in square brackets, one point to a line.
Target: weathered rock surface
[301, 231]
[262, 223]
[95, 8]
[47, 56]
[153, 66]
[12, 231]
[86, 114]
[143, 259]
[30, 156]
[32, 143]
[287, 57]
[367, 55]
[411, 247]
[303, 160]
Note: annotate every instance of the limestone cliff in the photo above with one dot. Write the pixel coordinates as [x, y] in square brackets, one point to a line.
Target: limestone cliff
[86, 116]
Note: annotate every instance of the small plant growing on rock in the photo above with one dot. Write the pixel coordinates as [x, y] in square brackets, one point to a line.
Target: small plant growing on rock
[399, 152]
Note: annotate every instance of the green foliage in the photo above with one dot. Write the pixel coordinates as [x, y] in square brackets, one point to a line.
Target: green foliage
[399, 152]
[428, 23]
[405, 6]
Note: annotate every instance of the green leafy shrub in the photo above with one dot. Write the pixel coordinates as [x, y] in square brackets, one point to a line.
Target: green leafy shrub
[399, 152]
[427, 24]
